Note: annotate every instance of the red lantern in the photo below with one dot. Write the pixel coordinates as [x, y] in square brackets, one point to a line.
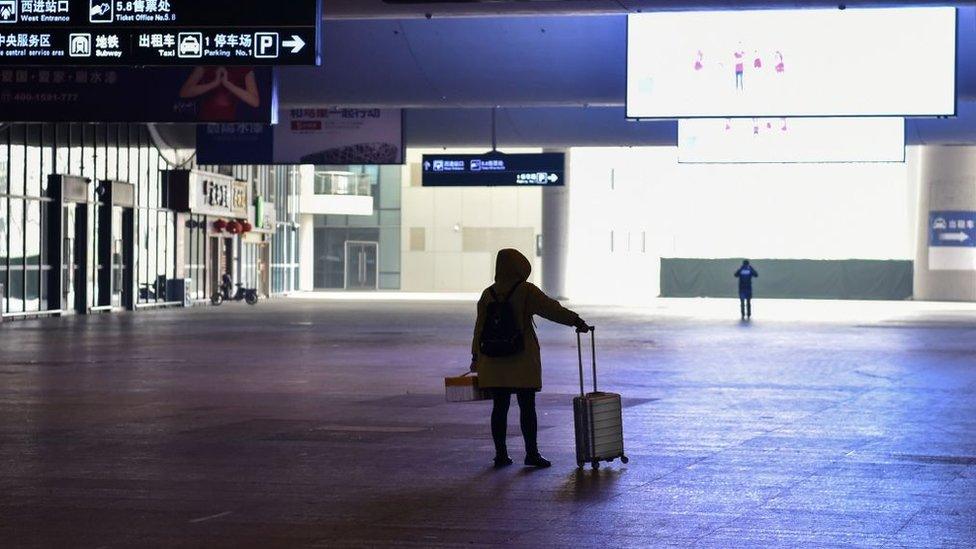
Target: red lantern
[219, 225]
[246, 226]
[234, 227]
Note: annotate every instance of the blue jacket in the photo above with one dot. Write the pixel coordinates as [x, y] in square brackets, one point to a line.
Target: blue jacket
[745, 274]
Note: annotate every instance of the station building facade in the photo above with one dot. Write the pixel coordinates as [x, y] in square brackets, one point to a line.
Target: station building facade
[89, 222]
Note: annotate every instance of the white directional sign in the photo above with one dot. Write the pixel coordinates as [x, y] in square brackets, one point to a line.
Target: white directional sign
[952, 240]
[295, 44]
[494, 169]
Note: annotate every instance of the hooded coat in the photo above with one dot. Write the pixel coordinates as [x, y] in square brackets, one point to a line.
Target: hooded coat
[523, 370]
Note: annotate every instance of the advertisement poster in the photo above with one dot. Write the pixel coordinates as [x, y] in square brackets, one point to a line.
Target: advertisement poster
[308, 135]
[166, 95]
[758, 140]
[792, 63]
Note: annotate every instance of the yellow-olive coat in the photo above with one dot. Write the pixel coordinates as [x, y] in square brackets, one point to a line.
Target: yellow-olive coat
[523, 370]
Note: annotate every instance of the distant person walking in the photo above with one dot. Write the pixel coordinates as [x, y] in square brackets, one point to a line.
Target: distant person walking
[745, 274]
[505, 350]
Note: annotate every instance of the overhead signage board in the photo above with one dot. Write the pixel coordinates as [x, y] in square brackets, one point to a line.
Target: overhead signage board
[494, 170]
[159, 32]
[307, 135]
[853, 62]
[160, 94]
[207, 193]
[952, 240]
[787, 140]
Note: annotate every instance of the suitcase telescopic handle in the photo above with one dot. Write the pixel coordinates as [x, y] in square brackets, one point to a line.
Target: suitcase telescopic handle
[579, 350]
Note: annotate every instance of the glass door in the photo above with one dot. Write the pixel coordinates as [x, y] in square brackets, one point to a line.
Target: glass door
[362, 266]
[118, 264]
[69, 268]
[217, 266]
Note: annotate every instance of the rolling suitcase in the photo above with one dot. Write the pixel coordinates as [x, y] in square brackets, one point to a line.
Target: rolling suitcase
[598, 418]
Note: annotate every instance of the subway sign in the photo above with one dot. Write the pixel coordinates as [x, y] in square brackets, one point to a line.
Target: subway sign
[159, 32]
[494, 169]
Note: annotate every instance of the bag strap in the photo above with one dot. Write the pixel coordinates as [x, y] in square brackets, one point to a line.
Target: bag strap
[512, 291]
[508, 297]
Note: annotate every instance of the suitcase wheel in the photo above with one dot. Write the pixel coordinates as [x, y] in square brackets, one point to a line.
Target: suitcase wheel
[595, 465]
[579, 464]
[624, 459]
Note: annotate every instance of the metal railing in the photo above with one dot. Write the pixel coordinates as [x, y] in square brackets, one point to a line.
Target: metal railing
[343, 183]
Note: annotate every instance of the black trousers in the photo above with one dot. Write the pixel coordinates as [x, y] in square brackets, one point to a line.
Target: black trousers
[502, 400]
[745, 306]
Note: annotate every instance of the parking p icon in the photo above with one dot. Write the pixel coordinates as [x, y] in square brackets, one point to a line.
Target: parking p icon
[266, 45]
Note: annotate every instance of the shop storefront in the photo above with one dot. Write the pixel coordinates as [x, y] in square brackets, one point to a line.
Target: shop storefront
[219, 234]
[86, 223]
[256, 247]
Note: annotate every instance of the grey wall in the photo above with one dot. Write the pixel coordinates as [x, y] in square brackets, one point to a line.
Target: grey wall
[789, 278]
[947, 181]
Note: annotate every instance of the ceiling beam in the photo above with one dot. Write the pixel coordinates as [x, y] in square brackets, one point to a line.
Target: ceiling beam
[396, 9]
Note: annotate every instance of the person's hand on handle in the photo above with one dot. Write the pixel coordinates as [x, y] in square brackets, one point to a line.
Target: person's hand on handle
[582, 327]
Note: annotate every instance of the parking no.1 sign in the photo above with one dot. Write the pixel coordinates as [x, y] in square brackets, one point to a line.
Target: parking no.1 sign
[159, 32]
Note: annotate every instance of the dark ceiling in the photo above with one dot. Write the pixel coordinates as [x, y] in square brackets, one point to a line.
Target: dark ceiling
[399, 9]
[540, 61]
[560, 79]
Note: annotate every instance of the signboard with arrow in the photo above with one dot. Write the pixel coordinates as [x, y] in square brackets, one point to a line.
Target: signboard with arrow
[113, 33]
[952, 229]
[952, 240]
[494, 169]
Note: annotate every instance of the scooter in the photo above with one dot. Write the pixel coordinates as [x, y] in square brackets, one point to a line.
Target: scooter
[250, 296]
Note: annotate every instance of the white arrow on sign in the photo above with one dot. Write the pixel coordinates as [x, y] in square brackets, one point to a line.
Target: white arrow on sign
[296, 43]
[553, 178]
[957, 237]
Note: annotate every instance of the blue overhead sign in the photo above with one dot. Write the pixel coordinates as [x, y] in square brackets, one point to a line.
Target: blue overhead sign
[494, 169]
[952, 229]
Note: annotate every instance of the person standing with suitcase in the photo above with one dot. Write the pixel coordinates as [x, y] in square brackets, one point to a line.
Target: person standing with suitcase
[506, 353]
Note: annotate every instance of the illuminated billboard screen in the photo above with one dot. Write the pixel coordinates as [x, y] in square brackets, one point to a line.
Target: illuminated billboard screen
[758, 140]
[867, 62]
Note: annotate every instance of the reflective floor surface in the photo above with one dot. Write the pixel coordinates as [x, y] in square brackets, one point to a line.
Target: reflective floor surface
[305, 423]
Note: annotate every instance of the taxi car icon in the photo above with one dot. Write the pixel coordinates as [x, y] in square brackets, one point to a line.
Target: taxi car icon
[939, 224]
[190, 45]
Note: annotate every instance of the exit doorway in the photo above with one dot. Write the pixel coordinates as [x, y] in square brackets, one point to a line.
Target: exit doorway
[362, 265]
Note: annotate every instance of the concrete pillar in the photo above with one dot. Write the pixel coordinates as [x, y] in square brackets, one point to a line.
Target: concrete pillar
[306, 253]
[947, 182]
[555, 236]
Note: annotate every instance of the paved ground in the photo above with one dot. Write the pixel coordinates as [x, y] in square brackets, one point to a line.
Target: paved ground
[303, 423]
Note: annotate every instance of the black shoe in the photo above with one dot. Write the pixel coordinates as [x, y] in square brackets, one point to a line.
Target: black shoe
[502, 461]
[536, 460]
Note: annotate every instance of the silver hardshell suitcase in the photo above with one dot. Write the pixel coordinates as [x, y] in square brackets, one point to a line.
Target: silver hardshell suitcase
[599, 419]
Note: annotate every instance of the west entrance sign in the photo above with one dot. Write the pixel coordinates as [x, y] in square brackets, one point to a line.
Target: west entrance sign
[160, 32]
